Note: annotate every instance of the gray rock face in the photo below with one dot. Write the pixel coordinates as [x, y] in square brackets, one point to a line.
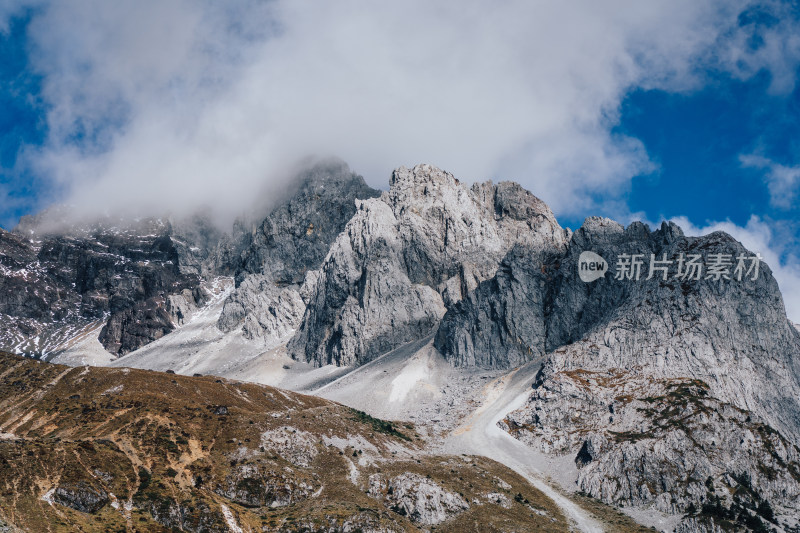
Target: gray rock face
[450, 232]
[662, 442]
[427, 242]
[695, 525]
[733, 335]
[295, 237]
[536, 301]
[502, 323]
[363, 303]
[255, 485]
[30, 296]
[710, 368]
[417, 497]
[56, 282]
[194, 516]
[81, 497]
[206, 251]
[143, 276]
[263, 310]
[278, 267]
[7, 528]
[148, 320]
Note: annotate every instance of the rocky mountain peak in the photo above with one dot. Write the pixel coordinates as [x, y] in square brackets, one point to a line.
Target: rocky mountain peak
[424, 187]
[600, 226]
[287, 247]
[296, 235]
[601, 230]
[401, 260]
[511, 200]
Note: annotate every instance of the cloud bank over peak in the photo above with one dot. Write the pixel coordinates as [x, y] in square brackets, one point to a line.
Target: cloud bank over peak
[160, 106]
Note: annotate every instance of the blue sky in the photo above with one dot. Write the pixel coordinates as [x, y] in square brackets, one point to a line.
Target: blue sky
[651, 111]
[701, 142]
[22, 123]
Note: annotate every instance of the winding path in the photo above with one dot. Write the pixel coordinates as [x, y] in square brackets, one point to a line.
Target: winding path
[480, 435]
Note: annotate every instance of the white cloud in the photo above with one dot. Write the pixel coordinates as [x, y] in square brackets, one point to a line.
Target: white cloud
[759, 236]
[767, 40]
[168, 104]
[781, 180]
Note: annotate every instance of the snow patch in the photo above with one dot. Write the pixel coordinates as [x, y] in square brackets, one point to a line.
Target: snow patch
[48, 496]
[230, 520]
[415, 371]
[353, 475]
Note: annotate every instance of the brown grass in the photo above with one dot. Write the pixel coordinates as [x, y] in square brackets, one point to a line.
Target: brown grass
[164, 440]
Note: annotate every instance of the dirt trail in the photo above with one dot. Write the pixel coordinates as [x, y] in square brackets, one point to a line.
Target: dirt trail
[479, 435]
[370, 388]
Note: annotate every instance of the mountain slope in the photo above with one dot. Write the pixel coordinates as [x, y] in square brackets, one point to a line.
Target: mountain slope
[120, 449]
[279, 264]
[666, 444]
[121, 274]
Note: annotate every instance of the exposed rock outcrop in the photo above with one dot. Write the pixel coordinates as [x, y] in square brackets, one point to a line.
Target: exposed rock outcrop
[417, 497]
[665, 443]
[81, 497]
[136, 325]
[254, 485]
[263, 310]
[60, 280]
[502, 323]
[732, 334]
[30, 296]
[363, 303]
[426, 243]
[205, 250]
[143, 276]
[711, 363]
[192, 516]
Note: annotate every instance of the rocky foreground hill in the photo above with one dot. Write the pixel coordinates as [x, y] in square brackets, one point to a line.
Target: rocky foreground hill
[99, 449]
[672, 382]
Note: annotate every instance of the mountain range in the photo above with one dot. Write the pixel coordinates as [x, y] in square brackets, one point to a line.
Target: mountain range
[663, 393]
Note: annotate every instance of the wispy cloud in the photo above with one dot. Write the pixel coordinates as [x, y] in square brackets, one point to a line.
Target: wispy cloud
[163, 105]
[766, 39]
[782, 181]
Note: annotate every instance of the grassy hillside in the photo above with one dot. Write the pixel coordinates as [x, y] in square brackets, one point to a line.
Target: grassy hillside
[102, 449]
